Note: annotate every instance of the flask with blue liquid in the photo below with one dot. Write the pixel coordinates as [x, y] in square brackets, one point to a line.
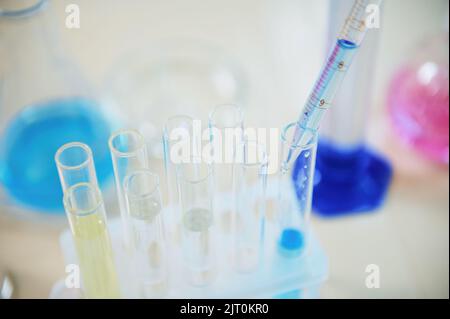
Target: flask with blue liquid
[44, 103]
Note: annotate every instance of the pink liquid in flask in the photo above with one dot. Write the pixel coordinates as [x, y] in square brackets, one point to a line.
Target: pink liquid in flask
[419, 107]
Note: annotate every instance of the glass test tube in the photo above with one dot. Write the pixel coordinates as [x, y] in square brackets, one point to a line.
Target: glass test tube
[177, 129]
[226, 126]
[249, 183]
[86, 214]
[75, 164]
[143, 200]
[295, 191]
[195, 181]
[128, 153]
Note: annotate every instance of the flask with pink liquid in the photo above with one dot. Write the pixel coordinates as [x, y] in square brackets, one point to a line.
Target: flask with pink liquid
[418, 99]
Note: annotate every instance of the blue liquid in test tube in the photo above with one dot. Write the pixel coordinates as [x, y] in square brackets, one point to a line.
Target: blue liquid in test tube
[319, 100]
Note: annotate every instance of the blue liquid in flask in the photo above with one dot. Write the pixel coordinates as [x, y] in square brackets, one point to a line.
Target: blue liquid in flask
[27, 166]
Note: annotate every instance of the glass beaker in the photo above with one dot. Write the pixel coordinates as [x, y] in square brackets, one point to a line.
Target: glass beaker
[182, 76]
[44, 103]
[295, 186]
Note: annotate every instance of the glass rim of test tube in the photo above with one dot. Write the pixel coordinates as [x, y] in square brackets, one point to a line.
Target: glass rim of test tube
[261, 151]
[173, 123]
[66, 147]
[76, 211]
[137, 137]
[238, 120]
[285, 138]
[194, 161]
[137, 195]
[176, 117]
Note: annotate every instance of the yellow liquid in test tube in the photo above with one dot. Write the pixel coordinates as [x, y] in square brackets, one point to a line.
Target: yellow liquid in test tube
[95, 256]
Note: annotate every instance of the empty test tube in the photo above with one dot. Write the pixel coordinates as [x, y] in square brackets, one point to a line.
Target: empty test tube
[128, 153]
[148, 249]
[226, 125]
[249, 183]
[226, 130]
[177, 129]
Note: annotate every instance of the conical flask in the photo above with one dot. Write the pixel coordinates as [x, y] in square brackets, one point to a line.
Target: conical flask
[44, 103]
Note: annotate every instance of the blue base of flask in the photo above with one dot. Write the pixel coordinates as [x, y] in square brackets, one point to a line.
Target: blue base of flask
[349, 180]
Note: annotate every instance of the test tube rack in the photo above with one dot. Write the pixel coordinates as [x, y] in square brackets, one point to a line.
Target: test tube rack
[277, 277]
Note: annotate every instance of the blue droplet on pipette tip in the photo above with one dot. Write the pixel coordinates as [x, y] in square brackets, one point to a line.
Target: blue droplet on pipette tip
[346, 44]
[291, 242]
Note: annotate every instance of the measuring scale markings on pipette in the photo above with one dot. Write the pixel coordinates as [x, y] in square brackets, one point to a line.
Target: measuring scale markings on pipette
[324, 90]
[321, 97]
[326, 86]
[338, 62]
